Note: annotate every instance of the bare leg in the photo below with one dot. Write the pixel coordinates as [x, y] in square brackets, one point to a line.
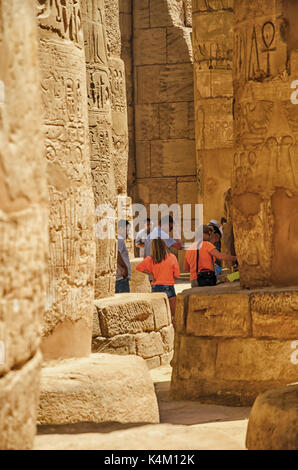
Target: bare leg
[172, 302]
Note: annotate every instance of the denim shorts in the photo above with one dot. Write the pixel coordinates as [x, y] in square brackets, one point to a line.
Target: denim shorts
[122, 286]
[169, 290]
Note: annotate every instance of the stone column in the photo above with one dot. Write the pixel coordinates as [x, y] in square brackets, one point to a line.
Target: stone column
[101, 142]
[213, 54]
[265, 182]
[23, 225]
[68, 321]
[118, 96]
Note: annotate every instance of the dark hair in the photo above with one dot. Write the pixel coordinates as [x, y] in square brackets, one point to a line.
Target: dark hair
[207, 229]
[223, 220]
[215, 229]
[147, 220]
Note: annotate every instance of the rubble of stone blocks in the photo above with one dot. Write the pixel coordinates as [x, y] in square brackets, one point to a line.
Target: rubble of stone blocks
[273, 420]
[233, 344]
[138, 324]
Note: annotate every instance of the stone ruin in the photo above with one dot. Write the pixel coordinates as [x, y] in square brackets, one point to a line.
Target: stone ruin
[103, 100]
[236, 342]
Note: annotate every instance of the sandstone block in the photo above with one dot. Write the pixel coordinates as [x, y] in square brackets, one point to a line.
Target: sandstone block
[99, 389]
[122, 344]
[19, 393]
[147, 123]
[96, 331]
[159, 14]
[219, 391]
[153, 362]
[217, 124]
[275, 315]
[162, 311]
[139, 282]
[255, 360]
[68, 339]
[143, 168]
[166, 161]
[214, 170]
[167, 335]
[125, 313]
[149, 345]
[170, 83]
[150, 46]
[273, 420]
[180, 313]
[195, 357]
[187, 192]
[166, 359]
[125, 21]
[141, 14]
[218, 315]
[154, 191]
[174, 120]
[125, 6]
[179, 47]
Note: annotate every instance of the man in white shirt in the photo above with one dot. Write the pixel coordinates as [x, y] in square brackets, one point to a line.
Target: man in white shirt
[142, 236]
[123, 274]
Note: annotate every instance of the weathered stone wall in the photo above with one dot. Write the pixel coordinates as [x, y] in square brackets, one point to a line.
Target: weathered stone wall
[164, 169]
[232, 344]
[23, 225]
[138, 324]
[265, 185]
[68, 321]
[101, 140]
[213, 55]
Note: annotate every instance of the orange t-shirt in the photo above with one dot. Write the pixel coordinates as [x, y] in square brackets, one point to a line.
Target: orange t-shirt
[206, 260]
[163, 273]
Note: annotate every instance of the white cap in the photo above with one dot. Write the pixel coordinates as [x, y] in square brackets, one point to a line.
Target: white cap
[214, 222]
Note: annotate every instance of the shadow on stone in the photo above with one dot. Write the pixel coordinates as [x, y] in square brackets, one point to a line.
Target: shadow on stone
[84, 427]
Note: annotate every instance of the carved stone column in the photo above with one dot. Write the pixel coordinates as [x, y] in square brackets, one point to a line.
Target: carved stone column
[68, 322]
[23, 225]
[213, 53]
[118, 96]
[265, 176]
[101, 142]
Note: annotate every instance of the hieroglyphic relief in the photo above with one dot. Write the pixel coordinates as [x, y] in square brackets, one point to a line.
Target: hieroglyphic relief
[100, 103]
[212, 5]
[213, 54]
[62, 17]
[266, 131]
[71, 254]
[256, 50]
[117, 84]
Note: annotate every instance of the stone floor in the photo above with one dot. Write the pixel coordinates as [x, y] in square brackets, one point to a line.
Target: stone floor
[184, 425]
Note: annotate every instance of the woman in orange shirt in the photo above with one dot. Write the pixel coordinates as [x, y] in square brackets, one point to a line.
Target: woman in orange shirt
[164, 268]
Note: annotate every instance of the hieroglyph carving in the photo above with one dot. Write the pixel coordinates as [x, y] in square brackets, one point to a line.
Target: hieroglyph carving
[212, 5]
[256, 45]
[61, 16]
[265, 173]
[71, 220]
